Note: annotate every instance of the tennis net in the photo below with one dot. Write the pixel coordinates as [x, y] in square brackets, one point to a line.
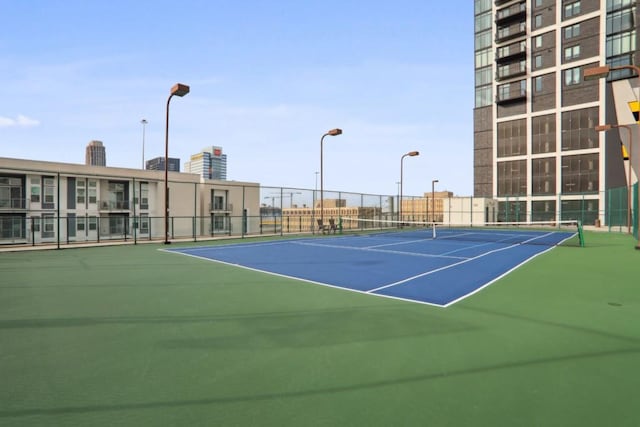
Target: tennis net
[547, 233]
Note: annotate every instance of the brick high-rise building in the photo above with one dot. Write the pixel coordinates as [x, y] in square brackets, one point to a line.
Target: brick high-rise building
[536, 147]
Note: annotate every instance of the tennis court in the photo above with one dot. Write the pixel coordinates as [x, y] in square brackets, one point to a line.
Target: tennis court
[135, 336]
[410, 265]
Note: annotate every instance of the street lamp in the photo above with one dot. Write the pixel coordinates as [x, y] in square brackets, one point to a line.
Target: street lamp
[602, 72]
[178, 89]
[144, 124]
[409, 154]
[604, 128]
[332, 132]
[433, 199]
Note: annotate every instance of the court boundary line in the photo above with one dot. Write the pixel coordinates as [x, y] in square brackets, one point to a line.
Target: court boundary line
[271, 273]
[478, 289]
[374, 291]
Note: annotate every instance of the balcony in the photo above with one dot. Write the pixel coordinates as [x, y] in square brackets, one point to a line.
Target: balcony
[220, 208]
[512, 31]
[13, 204]
[511, 70]
[511, 92]
[511, 52]
[114, 205]
[515, 12]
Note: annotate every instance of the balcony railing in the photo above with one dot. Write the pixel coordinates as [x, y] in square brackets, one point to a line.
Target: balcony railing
[111, 205]
[511, 52]
[511, 32]
[511, 92]
[12, 204]
[511, 13]
[214, 207]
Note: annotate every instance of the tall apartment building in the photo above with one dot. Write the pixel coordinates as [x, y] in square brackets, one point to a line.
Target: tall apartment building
[157, 164]
[95, 154]
[536, 149]
[210, 163]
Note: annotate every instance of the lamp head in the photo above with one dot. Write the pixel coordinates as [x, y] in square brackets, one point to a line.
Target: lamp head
[179, 89]
[595, 73]
[602, 128]
[413, 153]
[334, 132]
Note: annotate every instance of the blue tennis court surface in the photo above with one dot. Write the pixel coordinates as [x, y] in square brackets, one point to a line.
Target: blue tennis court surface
[438, 271]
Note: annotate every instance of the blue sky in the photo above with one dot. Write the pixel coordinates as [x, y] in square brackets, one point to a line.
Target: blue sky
[267, 80]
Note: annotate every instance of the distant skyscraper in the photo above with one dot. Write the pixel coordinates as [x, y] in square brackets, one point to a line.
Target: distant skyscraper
[157, 164]
[95, 154]
[210, 163]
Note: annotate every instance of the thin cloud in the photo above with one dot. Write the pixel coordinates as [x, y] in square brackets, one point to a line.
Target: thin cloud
[20, 121]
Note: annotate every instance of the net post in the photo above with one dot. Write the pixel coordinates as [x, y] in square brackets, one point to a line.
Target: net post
[580, 234]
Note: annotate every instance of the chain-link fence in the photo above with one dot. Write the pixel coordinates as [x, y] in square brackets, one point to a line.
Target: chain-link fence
[285, 210]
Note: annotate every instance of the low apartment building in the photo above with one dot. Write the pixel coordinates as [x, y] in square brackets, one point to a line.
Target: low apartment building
[47, 202]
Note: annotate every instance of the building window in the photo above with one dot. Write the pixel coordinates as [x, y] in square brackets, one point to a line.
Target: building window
[144, 223]
[578, 131]
[572, 31]
[512, 178]
[571, 9]
[48, 192]
[621, 43]
[538, 42]
[572, 52]
[482, 6]
[35, 190]
[537, 84]
[622, 20]
[483, 40]
[543, 210]
[483, 96]
[483, 22]
[537, 21]
[580, 174]
[512, 138]
[48, 226]
[484, 58]
[543, 176]
[93, 223]
[81, 192]
[538, 3]
[144, 195]
[538, 61]
[81, 223]
[218, 203]
[483, 76]
[572, 76]
[543, 134]
[93, 186]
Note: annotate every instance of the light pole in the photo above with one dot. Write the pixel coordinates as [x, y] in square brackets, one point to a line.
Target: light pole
[604, 128]
[602, 72]
[178, 89]
[332, 132]
[144, 124]
[409, 154]
[433, 200]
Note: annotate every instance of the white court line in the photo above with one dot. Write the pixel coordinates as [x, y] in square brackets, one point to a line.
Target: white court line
[408, 279]
[455, 264]
[385, 251]
[302, 279]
